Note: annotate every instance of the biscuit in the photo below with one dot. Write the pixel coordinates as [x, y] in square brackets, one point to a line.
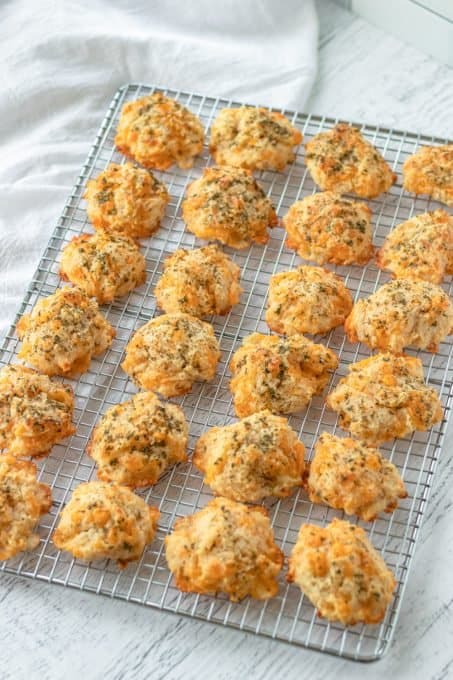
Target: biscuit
[63, 332]
[307, 300]
[125, 199]
[135, 442]
[253, 138]
[341, 573]
[201, 282]
[35, 412]
[430, 171]
[385, 396]
[257, 457]
[348, 475]
[342, 160]
[226, 547]
[228, 205]
[104, 265]
[279, 374]
[158, 132]
[169, 353]
[402, 313]
[326, 228]
[105, 521]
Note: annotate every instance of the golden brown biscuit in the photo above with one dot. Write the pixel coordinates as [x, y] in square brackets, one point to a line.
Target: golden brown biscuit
[158, 131]
[385, 396]
[342, 160]
[420, 248]
[23, 500]
[200, 282]
[135, 442]
[353, 477]
[253, 138]
[105, 521]
[226, 547]
[402, 313]
[104, 265]
[307, 300]
[325, 228]
[228, 205]
[430, 171]
[35, 412]
[63, 332]
[279, 374]
[257, 457]
[169, 353]
[125, 199]
[341, 573]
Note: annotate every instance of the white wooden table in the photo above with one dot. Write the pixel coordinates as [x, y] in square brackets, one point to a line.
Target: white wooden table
[50, 632]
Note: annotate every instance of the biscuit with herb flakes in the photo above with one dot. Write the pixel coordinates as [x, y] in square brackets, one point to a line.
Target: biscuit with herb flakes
[253, 138]
[159, 132]
[385, 396]
[23, 501]
[348, 475]
[227, 547]
[35, 411]
[63, 332]
[307, 300]
[420, 248]
[326, 228]
[105, 521]
[135, 442]
[430, 171]
[257, 457]
[402, 313]
[169, 353]
[341, 573]
[104, 265]
[228, 205]
[342, 160]
[201, 282]
[279, 374]
[125, 199]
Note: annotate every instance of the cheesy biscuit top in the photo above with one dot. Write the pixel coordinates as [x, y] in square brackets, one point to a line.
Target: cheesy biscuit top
[430, 171]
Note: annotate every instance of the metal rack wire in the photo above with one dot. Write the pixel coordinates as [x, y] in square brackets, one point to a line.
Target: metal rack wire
[288, 616]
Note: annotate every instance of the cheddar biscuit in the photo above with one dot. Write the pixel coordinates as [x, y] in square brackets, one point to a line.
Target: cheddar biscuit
[226, 547]
[430, 171]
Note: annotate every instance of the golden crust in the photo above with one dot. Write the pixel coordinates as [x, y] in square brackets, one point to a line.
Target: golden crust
[430, 171]
[307, 300]
[383, 397]
[35, 412]
[342, 160]
[135, 442]
[341, 573]
[169, 353]
[402, 313]
[253, 138]
[226, 547]
[105, 521]
[420, 248]
[257, 457]
[104, 265]
[23, 500]
[348, 475]
[63, 332]
[158, 131]
[228, 205]
[279, 374]
[326, 228]
[125, 199]
[201, 282]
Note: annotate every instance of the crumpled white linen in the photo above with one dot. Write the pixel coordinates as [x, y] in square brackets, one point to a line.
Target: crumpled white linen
[62, 60]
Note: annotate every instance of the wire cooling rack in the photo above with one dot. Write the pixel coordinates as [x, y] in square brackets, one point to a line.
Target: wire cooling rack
[289, 616]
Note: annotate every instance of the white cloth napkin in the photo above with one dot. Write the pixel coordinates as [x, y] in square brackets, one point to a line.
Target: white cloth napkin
[63, 61]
